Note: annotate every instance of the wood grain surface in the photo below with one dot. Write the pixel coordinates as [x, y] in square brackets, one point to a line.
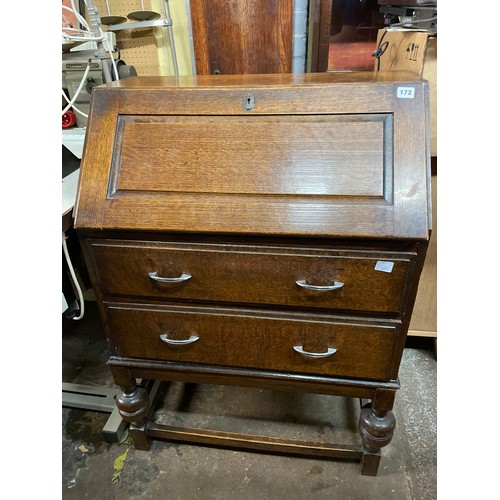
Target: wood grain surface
[263, 275]
[241, 37]
[149, 166]
[255, 339]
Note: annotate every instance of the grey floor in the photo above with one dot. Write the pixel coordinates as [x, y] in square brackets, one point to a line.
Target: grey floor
[95, 468]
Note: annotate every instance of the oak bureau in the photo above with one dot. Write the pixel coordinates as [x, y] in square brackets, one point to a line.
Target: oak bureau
[258, 230]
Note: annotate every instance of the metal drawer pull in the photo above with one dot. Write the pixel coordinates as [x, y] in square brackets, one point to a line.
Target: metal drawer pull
[320, 288]
[330, 351]
[180, 279]
[191, 340]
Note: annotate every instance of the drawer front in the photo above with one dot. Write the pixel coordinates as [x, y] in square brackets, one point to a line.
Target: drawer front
[249, 339]
[347, 280]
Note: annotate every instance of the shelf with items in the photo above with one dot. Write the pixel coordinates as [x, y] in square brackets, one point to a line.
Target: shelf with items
[146, 37]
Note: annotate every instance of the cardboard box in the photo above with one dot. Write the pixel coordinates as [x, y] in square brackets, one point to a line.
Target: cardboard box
[414, 51]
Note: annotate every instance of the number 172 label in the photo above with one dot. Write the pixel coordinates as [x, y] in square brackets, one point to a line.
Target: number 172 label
[405, 92]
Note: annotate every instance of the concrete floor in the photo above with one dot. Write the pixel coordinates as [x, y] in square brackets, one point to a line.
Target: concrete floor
[95, 468]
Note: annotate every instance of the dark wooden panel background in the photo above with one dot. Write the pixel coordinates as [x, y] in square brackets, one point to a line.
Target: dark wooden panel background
[238, 37]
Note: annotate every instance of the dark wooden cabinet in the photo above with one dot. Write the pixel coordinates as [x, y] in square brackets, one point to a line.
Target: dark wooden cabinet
[263, 231]
[240, 37]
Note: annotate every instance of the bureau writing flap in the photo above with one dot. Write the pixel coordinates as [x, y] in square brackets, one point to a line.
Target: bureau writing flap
[326, 155]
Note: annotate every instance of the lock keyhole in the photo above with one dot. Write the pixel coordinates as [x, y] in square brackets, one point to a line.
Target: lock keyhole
[248, 102]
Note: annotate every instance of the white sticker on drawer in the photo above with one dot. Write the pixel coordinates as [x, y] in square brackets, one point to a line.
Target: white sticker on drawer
[384, 265]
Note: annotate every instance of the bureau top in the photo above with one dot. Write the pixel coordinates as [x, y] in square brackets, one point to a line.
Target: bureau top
[277, 80]
[338, 154]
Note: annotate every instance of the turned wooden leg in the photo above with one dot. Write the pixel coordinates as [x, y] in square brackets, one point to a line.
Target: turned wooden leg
[133, 406]
[376, 426]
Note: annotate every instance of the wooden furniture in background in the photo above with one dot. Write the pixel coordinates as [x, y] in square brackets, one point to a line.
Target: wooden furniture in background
[320, 21]
[242, 37]
[258, 230]
[424, 319]
[423, 63]
[351, 56]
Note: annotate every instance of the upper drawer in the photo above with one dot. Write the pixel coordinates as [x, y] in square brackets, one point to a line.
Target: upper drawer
[374, 281]
[330, 156]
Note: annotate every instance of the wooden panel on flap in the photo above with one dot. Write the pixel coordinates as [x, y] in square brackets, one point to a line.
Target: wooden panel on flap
[325, 155]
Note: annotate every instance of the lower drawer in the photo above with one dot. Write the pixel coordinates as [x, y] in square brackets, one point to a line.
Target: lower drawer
[317, 344]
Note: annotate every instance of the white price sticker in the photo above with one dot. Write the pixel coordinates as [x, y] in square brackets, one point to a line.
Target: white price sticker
[405, 92]
[384, 265]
